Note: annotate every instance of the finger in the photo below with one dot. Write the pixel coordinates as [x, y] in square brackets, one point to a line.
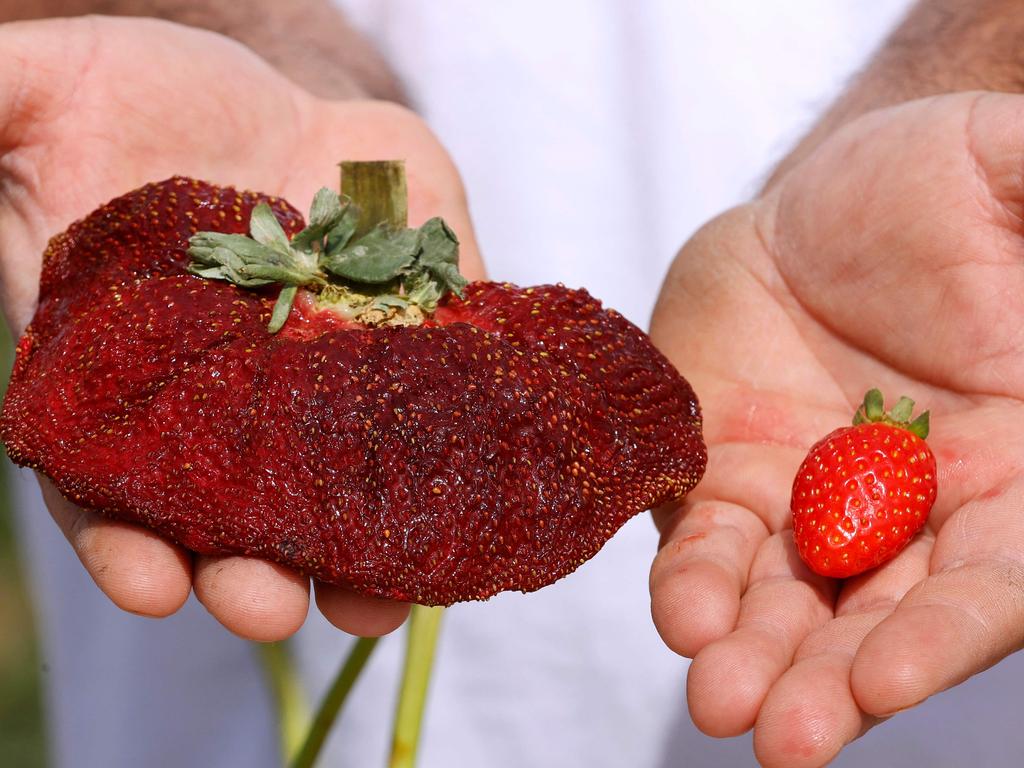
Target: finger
[40, 75]
[754, 475]
[954, 625]
[810, 714]
[28, 88]
[884, 587]
[955, 225]
[709, 543]
[976, 448]
[139, 571]
[729, 679]
[358, 614]
[699, 574]
[256, 599]
[964, 618]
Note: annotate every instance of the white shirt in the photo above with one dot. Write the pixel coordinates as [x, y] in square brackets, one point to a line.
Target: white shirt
[594, 137]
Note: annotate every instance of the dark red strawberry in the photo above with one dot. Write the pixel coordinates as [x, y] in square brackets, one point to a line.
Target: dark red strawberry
[864, 491]
[392, 437]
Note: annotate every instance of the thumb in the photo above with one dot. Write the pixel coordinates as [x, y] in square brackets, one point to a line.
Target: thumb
[902, 235]
[43, 62]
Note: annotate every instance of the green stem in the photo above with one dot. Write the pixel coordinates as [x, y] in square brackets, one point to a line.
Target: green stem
[286, 691]
[333, 702]
[379, 189]
[424, 625]
[282, 308]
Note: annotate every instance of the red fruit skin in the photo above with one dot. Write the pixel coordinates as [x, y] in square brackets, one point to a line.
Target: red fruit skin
[496, 447]
[859, 497]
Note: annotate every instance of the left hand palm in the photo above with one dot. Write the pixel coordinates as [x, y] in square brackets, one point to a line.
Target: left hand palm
[93, 108]
[892, 257]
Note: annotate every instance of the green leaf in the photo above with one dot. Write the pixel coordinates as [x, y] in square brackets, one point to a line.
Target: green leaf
[326, 209]
[339, 235]
[874, 406]
[440, 255]
[275, 273]
[450, 279]
[438, 243]
[921, 426]
[225, 273]
[423, 290]
[378, 257]
[266, 229]
[389, 300]
[226, 257]
[210, 273]
[221, 263]
[245, 262]
[903, 410]
[203, 244]
[282, 308]
[325, 213]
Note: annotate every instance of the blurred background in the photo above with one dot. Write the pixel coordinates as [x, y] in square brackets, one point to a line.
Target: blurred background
[22, 740]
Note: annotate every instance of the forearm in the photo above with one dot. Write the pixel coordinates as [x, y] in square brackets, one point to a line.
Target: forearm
[941, 46]
[309, 41]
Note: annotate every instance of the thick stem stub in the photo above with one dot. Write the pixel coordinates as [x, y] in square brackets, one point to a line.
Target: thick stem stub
[379, 188]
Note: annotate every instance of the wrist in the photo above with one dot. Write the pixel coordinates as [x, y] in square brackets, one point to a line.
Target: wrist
[309, 41]
[942, 46]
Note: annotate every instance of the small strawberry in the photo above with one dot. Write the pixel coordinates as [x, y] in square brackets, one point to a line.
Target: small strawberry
[864, 491]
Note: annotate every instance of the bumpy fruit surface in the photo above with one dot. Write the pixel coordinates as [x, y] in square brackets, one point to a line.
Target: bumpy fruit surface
[864, 491]
[496, 446]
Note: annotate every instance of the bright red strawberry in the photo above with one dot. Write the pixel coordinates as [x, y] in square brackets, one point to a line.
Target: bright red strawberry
[404, 443]
[864, 492]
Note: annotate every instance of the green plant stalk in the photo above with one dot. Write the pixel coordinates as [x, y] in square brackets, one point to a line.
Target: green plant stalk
[379, 188]
[424, 626]
[286, 692]
[332, 702]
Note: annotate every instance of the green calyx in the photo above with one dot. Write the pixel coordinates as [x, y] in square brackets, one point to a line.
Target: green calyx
[376, 275]
[873, 411]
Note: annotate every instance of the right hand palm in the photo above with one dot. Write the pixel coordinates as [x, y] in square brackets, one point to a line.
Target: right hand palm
[891, 256]
[92, 108]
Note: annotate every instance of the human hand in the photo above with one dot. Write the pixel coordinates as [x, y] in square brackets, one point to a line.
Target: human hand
[893, 256]
[92, 108]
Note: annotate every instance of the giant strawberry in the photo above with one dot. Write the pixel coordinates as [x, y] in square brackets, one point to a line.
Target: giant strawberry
[375, 422]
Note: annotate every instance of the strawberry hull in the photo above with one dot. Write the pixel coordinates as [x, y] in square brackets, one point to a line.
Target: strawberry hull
[495, 447]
